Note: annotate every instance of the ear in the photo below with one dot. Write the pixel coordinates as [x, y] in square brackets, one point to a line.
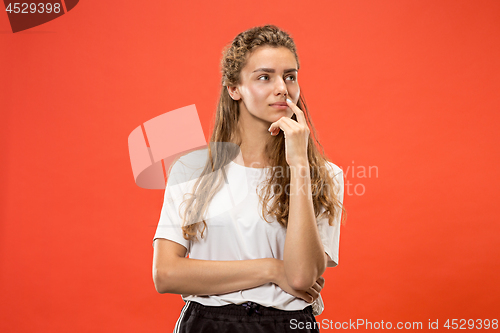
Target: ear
[234, 93]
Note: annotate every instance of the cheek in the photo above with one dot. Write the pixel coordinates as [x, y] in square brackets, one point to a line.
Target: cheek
[255, 94]
[252, 97]
[294, 92]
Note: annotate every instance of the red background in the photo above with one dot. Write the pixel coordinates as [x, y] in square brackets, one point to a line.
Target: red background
[409, 87]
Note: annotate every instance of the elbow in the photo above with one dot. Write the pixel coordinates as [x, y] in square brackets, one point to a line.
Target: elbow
[158, 282]
[301, 280]
[160, 279]
[301, 283]
[306, 279]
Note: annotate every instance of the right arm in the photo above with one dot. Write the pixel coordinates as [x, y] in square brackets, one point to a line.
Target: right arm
[175, 274]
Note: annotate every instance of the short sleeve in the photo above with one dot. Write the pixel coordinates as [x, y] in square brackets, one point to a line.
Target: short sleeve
[330, 235]
[169, 226]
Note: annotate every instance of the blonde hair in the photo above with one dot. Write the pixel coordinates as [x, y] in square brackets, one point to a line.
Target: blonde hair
[226, 130]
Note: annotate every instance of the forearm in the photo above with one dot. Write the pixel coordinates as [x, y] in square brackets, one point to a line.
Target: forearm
[304, 257]
[210, 277]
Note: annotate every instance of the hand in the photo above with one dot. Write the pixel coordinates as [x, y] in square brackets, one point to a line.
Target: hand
[309, 295]
[296, 136]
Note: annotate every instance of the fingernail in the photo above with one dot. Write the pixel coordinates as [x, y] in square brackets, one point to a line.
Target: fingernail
[270, 128]
[289, 101]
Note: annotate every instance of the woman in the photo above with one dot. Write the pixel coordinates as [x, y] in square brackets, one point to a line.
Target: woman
[261, 221]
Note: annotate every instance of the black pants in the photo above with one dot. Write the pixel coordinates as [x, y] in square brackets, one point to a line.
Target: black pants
[244, 318]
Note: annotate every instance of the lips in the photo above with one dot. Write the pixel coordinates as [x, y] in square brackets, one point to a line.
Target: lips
[279, 104]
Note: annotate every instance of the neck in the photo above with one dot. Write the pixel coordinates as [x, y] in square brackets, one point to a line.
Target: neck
[254, 137]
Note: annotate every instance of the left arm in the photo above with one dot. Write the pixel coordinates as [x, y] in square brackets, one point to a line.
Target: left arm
[304, 256]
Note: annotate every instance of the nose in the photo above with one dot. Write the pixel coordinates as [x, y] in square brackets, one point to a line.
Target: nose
[280, 87]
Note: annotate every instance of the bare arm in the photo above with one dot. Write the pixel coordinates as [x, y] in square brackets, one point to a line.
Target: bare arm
[175, 274]
[304, 255]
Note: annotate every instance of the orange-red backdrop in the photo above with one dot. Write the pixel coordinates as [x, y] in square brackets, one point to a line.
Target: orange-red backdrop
[408, 88]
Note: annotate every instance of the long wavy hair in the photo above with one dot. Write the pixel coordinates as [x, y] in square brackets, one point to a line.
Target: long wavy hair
[325, 189]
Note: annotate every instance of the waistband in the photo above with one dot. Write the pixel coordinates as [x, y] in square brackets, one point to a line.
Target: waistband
[247, 309]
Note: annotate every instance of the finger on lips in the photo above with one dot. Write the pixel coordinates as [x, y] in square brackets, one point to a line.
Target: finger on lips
[298, 112]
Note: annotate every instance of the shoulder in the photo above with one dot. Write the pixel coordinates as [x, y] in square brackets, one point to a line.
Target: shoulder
[335, 171]
[192, 159]
[188, 166]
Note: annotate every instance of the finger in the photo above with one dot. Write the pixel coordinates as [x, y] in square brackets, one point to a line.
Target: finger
[280, 124]
[313, 292]
[321, 281]
[300, 114]
[313, 296]
[287, 125]
[308, 298]
[316, 287]
[291, 122]
[304, 296]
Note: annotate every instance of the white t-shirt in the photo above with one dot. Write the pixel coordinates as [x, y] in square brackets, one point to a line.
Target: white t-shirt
[236, 229]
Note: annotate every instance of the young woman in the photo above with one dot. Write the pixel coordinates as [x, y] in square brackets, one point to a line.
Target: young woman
[259, 211]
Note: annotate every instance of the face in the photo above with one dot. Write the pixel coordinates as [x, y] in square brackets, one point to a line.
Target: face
[269, 77]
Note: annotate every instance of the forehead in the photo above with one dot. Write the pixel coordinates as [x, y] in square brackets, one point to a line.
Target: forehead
[270, 57]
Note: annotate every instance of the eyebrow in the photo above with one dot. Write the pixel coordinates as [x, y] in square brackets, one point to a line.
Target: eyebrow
[271, 70]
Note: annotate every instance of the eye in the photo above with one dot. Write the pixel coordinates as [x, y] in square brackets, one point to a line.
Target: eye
[260, 77]
[291, 77]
